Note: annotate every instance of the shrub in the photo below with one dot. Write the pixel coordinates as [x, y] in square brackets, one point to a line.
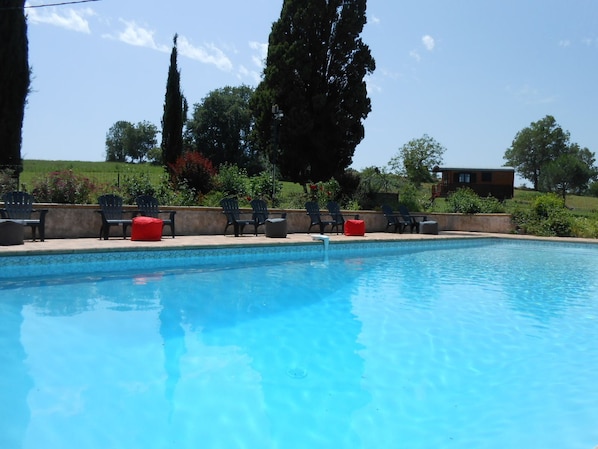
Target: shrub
[135, 184]
[547, 216]
[231, 180]
[544, 205]
[409, 197]
[262, 185]
[193, 171]
[322, 192]
[466, 201]
[63, 187]
[8, 181]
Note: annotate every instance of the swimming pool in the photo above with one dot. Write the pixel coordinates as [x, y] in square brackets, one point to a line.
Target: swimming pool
[484, 344]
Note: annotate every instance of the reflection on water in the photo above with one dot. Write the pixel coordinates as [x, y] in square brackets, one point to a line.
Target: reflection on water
[424, 348]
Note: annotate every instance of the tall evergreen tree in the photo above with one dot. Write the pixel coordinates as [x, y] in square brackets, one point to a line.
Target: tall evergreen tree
[175, 113]
[14, 81]
[315, 70]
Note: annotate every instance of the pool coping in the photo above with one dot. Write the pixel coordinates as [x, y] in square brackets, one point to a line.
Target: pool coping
[91, 245]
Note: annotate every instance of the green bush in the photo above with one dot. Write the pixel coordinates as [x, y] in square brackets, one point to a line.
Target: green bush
[547, 217]
[135, 184]
[262, 185]
[466, 201]
[8, 182]
[545, 204]
[231, 180]
[63, 187]
[409, 196]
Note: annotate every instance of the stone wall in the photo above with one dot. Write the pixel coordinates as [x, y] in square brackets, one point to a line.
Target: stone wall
[78, 221]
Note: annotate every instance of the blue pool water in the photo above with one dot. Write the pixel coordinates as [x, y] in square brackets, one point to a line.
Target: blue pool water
[485, 344]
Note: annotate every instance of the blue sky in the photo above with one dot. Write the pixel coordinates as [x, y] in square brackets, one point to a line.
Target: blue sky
[470, 74]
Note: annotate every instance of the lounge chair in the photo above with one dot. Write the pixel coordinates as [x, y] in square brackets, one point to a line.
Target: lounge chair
[393, 219]
[148, 206]
[274, 227]
[261, 212]
[335, 212]
[313, 210]
[18, 206]
[411, 220]
[112, 215]
[230, 208]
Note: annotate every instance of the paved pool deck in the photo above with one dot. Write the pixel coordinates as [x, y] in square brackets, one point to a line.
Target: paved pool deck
[206, 241]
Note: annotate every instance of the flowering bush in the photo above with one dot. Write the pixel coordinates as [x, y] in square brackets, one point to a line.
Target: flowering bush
[63, 186]
[193, 171]
[322, 192]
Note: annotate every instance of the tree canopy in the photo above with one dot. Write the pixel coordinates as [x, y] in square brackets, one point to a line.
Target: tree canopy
[219, 128]
[14, 81]
[533, 147]
[126, 142]
[315, 72]
[543, 154]
[416, 159]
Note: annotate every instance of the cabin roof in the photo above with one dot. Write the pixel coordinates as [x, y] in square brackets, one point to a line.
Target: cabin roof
[471, 169]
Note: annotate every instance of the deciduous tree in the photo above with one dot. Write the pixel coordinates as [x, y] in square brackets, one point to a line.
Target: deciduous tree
[315, 72]
[533, 147]
[219, 128]
[126, 142]
[14, 81]
[569, 173]
[416, 159]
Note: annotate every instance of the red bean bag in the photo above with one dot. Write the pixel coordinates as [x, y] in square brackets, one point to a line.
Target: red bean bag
[147, 228]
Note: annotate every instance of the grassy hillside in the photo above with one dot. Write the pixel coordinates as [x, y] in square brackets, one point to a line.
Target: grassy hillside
[99, 172]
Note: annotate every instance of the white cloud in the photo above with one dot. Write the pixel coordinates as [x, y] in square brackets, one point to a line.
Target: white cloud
[530, 95]
[259, 59]
[428, 42]
[245, 73]
[74, 20]
[208, 54]
[564, 43]
[374, 19]
[138, 36]
[415, 55]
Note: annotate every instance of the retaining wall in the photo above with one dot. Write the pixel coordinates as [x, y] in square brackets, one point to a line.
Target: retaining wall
[79, 221]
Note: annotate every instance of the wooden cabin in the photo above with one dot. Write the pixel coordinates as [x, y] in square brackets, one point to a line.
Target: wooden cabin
[496, 182]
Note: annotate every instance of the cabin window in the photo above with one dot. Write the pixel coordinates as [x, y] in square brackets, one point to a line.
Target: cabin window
[464, 178]
[487, 176]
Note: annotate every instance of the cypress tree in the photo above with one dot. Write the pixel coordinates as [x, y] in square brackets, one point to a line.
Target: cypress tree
[315, 70]
[175, 112]
[14, 81]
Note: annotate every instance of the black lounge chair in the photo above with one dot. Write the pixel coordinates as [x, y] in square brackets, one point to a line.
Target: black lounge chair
[18, 207]
[261, 212]
[313, 210]
[411, 220]
[335, 212]
[230, 208]
[111, 210]
[393, 219]
[148, 207]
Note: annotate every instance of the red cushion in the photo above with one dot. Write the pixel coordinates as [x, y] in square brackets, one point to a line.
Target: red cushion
[354, 227]
[146, 228]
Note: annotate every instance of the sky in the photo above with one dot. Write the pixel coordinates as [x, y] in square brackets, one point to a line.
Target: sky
[470, 74]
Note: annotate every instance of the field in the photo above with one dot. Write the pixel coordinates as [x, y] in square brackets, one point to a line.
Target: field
[99, 172]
